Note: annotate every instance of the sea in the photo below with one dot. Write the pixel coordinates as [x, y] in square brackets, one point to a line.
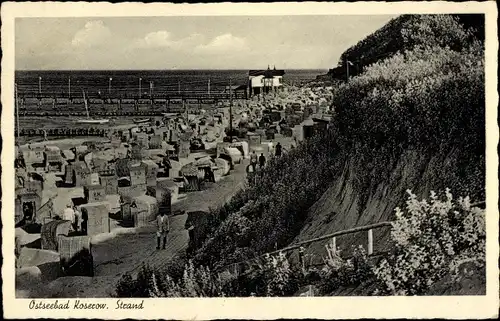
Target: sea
[113, 83]
[116, 82]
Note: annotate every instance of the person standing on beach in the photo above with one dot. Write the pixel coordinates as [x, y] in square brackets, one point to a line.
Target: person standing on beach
[163, 227]
[262, 160]
[253, 160]
[278, 150]
[69, 215]
[166, 165]
[78, 217]
[251, 173]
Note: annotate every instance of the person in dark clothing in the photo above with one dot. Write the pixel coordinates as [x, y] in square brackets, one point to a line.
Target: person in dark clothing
[28, 211]
[262, 160]
[163, 228]
[166, 165]
[279, 150]
[19, 162]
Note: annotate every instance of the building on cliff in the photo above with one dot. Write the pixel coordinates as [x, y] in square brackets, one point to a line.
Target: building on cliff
[265, 81]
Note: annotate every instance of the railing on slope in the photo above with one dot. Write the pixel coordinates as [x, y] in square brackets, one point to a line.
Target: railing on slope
[235, 267]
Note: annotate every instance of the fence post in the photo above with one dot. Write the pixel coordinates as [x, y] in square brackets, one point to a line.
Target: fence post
[370, 242]
[301, 258]
[235, 269]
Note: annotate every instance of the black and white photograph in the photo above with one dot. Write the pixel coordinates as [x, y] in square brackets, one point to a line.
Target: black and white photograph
[266, 155]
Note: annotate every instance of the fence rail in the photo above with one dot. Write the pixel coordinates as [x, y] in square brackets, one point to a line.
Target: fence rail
[333, 236]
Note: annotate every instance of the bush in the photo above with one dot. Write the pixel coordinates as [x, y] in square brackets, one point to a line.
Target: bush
[198, 282]
[195, 282]
[281, 278]
[273, 277]
[432, 240]
[144, 286]
[338, 272]
[175, 268]
[407, 31]
[415, 100]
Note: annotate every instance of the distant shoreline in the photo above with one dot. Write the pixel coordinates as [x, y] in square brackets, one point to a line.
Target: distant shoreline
[165, 69]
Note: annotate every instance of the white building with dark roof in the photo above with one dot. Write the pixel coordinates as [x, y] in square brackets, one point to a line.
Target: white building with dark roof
[264, 81]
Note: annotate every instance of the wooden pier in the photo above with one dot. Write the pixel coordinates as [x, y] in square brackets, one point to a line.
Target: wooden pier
[195, 97]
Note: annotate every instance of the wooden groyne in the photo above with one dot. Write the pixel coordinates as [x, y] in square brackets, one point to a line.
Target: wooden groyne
[92, 131]
[55, 96]
[99, 113]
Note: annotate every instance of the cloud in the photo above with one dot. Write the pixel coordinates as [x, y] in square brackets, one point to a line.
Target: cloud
[157, 39]
[94, 33]
[226, 43]
[163, 39]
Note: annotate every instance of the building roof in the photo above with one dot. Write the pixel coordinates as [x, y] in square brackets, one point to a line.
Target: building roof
[266, 73]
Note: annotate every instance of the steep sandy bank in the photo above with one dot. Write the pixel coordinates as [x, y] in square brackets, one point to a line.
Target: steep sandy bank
[342, 206]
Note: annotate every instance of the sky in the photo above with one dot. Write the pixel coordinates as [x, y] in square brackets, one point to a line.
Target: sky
[194, 42]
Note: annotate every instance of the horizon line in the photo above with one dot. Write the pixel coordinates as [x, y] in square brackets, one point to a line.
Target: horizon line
[189, 69]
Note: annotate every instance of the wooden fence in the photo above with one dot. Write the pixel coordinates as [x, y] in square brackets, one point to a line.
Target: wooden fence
[239, 266]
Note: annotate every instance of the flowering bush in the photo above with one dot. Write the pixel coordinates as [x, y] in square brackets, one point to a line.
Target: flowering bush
[281, 278]
[195, 282]
[338, 271]
[432, 239]
[145, 285]
[273, 277]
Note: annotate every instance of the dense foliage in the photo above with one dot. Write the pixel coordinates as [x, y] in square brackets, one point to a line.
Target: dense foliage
[417, 100]
[274, 276]
[432, 240]
[340, 272]
[407, 31]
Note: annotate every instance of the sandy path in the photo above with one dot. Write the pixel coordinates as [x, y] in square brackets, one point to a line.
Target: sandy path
[126, 253]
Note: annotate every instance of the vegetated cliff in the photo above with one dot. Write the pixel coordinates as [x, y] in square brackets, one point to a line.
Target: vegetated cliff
[404, 33]
[406, 123]
[342, 206]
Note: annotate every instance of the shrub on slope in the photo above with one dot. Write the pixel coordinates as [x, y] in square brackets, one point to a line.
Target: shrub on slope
[408, 31]
[430, 99]
[433, 240]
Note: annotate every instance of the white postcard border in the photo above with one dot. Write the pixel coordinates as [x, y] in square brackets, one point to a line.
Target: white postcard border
[458, 307]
